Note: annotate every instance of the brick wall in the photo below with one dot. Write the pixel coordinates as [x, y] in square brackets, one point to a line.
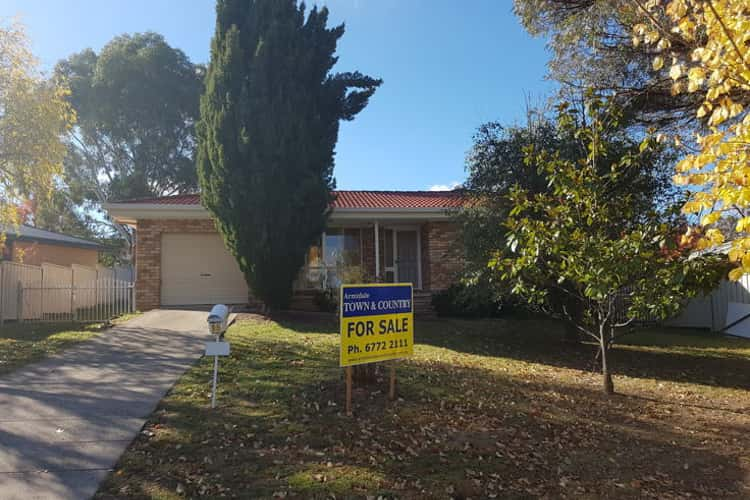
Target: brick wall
[148, 255]
[442, 256]
[424, 238]
[36, 253]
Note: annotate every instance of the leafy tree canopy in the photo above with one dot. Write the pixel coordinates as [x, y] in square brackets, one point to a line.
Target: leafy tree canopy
[588, 238]
[34, 118]
[591, 45]
[137, 104]
[269, 124]
[66, 212]
[717, 71]
[499, 162]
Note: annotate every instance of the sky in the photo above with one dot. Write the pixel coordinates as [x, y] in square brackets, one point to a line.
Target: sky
[448, 66]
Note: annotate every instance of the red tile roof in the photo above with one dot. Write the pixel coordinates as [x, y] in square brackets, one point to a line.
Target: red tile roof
[180, 199]
[352, 199]
[398, 199]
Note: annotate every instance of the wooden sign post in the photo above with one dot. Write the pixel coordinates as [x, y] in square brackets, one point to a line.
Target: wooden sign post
[377, 324]
[392, 384]
[348, 370]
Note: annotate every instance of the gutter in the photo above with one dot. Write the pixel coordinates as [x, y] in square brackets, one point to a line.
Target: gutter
[129, 213]
[47, 241]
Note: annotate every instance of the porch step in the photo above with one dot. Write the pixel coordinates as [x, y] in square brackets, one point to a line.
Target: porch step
[303, 301]
[423, 305]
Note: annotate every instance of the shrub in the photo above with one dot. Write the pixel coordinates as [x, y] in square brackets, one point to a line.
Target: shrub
[326, 300]
[467, 301]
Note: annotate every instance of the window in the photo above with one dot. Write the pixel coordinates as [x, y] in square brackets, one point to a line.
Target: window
[336, 259]
[342, 247]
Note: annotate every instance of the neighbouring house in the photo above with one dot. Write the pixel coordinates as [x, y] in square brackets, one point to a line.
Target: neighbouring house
[33, 246]
[713, 310]
[389, 236]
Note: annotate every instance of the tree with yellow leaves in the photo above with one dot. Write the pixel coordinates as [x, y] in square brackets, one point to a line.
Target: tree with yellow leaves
[718, 168]
[34, 120]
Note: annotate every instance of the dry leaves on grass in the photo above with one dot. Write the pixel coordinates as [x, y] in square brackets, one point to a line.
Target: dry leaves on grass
[466, 425]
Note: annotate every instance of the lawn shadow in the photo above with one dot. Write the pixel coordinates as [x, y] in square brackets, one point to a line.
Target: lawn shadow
[687, 357]
[25, 342]
[680, 355]
[40, 330]
[305, 321]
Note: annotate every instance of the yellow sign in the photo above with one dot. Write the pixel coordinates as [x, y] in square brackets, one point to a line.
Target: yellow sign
[377, 322]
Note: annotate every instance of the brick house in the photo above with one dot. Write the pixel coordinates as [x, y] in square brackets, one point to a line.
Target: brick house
[35, 246]
[389, 236]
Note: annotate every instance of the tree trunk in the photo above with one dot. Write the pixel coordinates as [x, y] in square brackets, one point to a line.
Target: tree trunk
[573, 309]
[609, 387]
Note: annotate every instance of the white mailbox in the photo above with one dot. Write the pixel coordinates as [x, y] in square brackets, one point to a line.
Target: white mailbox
[217, 319]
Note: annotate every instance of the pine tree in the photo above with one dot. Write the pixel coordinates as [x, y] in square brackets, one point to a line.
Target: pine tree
[269, 124]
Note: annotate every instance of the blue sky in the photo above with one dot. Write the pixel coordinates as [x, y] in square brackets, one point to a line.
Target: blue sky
[447, 66]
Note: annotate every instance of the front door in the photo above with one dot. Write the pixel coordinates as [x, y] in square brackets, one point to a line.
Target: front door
[407, 257]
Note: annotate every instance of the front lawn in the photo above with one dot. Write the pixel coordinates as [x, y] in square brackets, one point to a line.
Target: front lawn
[22, 343]
[27, 342]
[487, 409]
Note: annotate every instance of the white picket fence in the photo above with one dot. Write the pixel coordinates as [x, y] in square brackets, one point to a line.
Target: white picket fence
[56, 293]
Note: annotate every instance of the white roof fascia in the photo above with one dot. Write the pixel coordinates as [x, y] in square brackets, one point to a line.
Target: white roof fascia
[129, 213]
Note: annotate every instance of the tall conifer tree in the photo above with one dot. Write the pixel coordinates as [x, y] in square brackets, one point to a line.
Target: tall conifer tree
[269, 124]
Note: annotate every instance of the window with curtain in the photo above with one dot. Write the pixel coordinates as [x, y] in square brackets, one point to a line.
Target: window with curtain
[335, 259]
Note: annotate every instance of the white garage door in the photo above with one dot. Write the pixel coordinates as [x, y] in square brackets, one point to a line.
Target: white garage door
[198, 269]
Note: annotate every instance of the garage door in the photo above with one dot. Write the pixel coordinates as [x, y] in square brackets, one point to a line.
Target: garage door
[197, 269]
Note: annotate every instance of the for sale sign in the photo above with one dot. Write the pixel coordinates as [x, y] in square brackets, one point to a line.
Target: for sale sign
[377, 322]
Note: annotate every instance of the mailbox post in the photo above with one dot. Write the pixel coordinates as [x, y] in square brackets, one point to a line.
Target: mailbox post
[217, 325]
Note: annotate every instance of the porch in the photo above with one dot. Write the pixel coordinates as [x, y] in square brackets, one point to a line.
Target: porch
[424, 253]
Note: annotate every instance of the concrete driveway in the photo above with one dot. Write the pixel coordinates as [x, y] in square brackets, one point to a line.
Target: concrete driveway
[65, 421]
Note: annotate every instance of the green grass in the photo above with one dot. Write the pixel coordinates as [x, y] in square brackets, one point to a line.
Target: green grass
[23, 343]
[697, 342]
[486, 409]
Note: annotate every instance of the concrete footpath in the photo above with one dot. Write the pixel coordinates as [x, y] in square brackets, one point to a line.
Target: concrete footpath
[65, 421]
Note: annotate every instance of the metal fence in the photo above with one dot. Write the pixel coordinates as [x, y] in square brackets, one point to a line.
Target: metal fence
[96, 301]
[56, 293]
[622, 310]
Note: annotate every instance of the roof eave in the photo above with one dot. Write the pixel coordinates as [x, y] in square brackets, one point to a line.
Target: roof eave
[62, 243]
[130, 213]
